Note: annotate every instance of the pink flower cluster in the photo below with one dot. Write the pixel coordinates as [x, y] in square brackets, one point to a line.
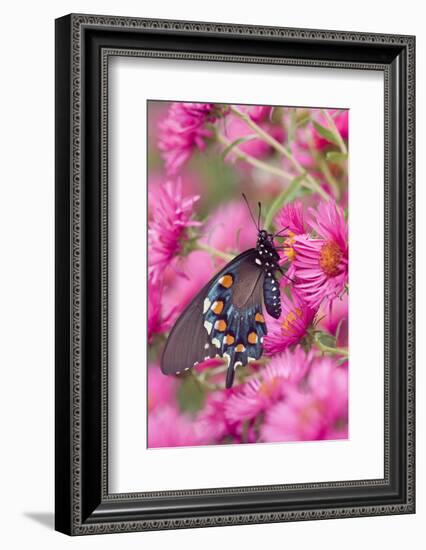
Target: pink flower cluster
[171, 216]
[182, 131]
[298, 397]
[298, 390]
[309, 142]
[316, 250]
[237, 130]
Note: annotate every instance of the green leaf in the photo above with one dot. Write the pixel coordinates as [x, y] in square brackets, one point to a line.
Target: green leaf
[291, 131]
[190, 395]
[303, 120]
[325, 133]
[237, 142]
[284, 197]
[336, 156]
[326, 339]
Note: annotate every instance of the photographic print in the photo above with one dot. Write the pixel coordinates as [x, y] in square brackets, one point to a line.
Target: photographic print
[203, 269]
[248, 284]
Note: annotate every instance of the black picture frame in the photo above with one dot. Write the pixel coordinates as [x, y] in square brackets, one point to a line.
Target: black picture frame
[83, 45]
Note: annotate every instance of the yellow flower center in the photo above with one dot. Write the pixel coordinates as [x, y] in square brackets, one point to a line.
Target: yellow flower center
[288, 324]
[330, 257]
[269, 387]
[290, 253]
[289, 250]
[308, 413]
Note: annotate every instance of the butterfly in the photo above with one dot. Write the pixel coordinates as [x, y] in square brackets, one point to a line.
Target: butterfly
[225, 318]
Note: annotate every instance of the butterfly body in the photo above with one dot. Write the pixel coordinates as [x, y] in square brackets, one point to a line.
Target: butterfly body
[225, 319]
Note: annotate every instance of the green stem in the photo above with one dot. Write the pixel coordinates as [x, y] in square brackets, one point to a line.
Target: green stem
[328, 349]
[203, 378]
[254, 161]
[328, 175]
[279, 147]
[333, 128]
[202, 383]
[281, 200]
[244, 435]
[215, 252]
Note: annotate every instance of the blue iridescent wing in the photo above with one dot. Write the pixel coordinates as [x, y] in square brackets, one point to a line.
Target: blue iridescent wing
[224, 319]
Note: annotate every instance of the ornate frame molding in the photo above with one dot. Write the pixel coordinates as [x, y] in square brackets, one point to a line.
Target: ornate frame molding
[86, 507]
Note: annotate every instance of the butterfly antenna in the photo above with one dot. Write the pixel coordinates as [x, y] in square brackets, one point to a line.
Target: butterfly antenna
[259, 205]
[281, 231]
[251, 213]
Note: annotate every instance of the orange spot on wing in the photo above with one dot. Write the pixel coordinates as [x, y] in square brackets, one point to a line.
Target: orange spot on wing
[220, 325]
[217, 307]
[229, 339]
[259, 318]
[240, 347]
[252, 338]
[226, 281]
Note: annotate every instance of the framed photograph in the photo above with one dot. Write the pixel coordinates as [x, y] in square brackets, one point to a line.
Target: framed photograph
[234, 274]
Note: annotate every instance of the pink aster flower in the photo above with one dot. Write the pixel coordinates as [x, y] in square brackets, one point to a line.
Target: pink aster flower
[321, 264]
[317, 411]
[158, 321]
[230, 228]
[212, 421]
[237, 128]
[190, 182]
[259, 394]
[259, 113]
[334, 319]
[211, 363]
[183, 131]
[194, 271]
[292, 217]
[171, 216]
[329, 383]
[340, 118]
[292, 326]
[169, 428]
[301, 148]
[161, 389]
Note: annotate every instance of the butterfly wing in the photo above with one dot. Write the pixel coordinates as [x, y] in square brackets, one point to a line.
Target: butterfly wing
[188, 343]
[233, 314]
[224, 319]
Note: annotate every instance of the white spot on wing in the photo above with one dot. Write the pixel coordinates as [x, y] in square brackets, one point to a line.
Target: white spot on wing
[258, 261]
[216, 342]
[238, 364]
[208, 326]
[207, 304]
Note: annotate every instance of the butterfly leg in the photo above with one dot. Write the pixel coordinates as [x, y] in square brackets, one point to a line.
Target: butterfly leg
[285, 275]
